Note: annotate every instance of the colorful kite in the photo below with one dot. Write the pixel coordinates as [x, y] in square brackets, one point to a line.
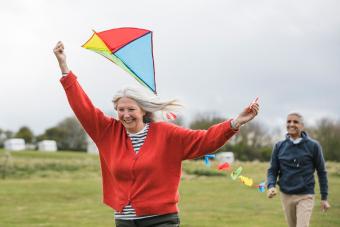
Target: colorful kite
[130, 49]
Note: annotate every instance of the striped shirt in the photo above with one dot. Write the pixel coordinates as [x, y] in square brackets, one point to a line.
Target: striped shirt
[137, 140]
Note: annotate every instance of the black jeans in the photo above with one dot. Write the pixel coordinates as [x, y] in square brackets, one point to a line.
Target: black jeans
[167, 220]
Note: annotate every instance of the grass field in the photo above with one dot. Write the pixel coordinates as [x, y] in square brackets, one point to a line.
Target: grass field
[64, 189]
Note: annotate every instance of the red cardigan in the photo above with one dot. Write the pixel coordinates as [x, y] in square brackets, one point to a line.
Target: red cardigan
[148, 180]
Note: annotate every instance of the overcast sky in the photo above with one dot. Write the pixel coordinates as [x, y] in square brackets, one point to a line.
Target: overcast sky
[213, 55]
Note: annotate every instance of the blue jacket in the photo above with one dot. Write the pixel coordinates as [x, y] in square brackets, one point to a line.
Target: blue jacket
[294, 166]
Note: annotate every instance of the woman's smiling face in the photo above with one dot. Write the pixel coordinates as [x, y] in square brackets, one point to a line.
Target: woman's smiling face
[130, 114]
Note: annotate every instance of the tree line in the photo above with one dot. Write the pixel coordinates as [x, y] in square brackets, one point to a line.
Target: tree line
[253, 142]
[68, 134]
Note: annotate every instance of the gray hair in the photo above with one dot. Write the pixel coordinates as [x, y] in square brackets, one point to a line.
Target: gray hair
[298, 115]
[148, 102]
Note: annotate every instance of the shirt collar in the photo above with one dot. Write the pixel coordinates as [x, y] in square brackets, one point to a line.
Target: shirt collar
[141, 131]
[295, 141]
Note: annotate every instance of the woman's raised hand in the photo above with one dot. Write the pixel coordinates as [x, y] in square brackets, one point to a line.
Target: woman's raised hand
[248, 113]
[61, 57]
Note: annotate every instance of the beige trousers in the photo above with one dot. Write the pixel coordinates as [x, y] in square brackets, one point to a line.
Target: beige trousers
[298, 209]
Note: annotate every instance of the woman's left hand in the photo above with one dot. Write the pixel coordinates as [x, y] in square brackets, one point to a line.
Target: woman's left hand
[248, 113]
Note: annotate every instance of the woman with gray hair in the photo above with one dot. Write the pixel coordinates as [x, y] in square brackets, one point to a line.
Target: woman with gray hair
[141, 158]
[149, 102]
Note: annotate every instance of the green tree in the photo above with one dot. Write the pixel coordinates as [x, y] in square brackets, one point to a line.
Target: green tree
[2, 137]
[205, 120]
[26, 134]
[69, 135]
[327, 132]
[252, 142]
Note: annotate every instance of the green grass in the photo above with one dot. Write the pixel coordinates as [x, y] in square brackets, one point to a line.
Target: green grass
[64, 189]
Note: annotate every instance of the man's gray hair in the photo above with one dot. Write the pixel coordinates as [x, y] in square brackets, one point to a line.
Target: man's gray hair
[148, 102]
[298, 115]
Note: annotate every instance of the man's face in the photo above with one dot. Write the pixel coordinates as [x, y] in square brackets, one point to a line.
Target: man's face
[294, 126]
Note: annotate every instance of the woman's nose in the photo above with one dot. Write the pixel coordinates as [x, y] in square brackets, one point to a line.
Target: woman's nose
[123, 113]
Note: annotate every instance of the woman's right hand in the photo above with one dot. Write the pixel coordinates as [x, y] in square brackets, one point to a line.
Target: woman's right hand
[61, 57]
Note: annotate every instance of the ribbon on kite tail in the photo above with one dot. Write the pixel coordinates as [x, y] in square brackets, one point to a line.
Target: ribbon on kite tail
[243, 179]
[207, 159]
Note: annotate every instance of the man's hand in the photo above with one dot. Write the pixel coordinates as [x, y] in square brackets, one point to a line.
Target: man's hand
[325, 205]
[271, 192]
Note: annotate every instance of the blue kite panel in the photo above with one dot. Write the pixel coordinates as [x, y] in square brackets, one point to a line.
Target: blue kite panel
[137, 56]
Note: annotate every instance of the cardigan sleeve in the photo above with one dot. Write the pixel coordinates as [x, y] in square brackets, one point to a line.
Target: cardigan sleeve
[196, 143]
[91, 118]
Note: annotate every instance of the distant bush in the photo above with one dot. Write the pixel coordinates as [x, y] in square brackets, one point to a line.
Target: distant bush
[204, 172]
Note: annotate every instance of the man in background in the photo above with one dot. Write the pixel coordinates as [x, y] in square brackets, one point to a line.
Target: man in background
[293, 163]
